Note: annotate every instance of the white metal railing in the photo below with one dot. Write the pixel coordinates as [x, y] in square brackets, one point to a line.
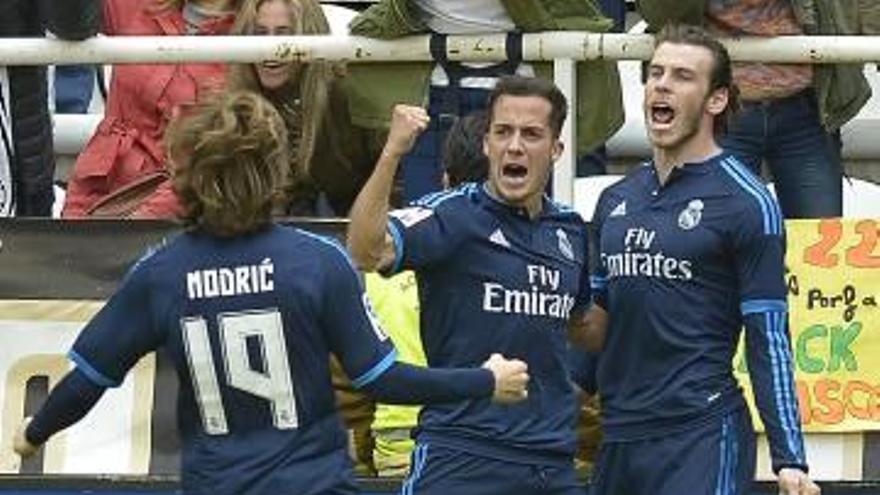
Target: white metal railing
[546, 46]
[564, 48]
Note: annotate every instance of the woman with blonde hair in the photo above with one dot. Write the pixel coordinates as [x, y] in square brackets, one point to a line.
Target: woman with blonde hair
[331, 157]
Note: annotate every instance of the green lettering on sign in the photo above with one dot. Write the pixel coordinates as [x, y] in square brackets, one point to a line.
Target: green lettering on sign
[807, 363]
[841, 339]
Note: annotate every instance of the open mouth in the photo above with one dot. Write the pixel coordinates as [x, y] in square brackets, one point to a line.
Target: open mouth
[272, 65]
[514, 171]
[662, 114]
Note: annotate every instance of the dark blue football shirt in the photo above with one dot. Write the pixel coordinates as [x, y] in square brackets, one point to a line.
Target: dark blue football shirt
[681, 269]
[493, 280]
[249, 323]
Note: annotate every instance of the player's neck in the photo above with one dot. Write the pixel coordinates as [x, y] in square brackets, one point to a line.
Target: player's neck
[696, 150]
[531, 205]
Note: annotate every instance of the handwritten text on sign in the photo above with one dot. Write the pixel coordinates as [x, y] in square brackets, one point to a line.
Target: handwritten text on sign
[833, 276]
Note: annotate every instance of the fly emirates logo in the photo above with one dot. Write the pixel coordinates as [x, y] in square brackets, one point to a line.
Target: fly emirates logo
[540, 299]
[637, 260]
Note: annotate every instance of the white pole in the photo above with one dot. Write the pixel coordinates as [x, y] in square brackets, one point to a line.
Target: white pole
[565, 76]
[490, 47]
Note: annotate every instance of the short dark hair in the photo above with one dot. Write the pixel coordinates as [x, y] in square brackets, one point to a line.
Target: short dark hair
[463, 158]
[721, 75]
[532, 86]
[230, 161]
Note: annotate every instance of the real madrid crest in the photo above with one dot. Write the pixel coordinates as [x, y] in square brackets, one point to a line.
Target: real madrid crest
[565, 244]
[691, 215]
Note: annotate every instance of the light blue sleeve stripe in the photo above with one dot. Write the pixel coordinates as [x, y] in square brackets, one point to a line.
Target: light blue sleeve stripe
[775, 210]
[762, 202]
[776, 376]
[762, 306]
[769, 206]
[94, 375]
[376, 370]
[397, 239]
[782, 386]
[794, 423]
[427, 198]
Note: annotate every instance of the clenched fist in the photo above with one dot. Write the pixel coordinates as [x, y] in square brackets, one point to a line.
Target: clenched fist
[511, 379]
[407, 123]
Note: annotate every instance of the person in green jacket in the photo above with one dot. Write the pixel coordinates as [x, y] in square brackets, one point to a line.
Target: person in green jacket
[791, 113]
[451, 89]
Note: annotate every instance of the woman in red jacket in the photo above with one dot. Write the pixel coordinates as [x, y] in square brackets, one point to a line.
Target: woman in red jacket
[122, 171]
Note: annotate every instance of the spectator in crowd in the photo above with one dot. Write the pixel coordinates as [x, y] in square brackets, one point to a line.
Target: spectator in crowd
[358, 411]
[791, 113]
[123, 170]
[596, 162]
[690, 237]
[463, 159]
[259, 425]
[332, 158]
[498, 265]
[456, 89]
[27, 161]
[869, 17]
[396, 303]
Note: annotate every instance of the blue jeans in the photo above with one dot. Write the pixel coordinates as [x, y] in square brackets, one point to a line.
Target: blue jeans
[803, 158]
[73, 88]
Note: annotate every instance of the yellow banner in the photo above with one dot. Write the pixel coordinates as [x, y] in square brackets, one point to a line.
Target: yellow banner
[833, 276]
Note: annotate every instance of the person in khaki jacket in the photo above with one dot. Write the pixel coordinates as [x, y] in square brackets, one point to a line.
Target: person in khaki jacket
[791, 113]
[451, 89]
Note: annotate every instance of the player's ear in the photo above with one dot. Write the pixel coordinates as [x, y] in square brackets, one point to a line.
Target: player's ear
[717, 101]
[556, 151]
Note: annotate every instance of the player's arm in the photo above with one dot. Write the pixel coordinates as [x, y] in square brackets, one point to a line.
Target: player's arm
[110, 344]
[70, 400]
[369, 357]
[588, 323]
[500, 379]
[759, 247]
[369, 242]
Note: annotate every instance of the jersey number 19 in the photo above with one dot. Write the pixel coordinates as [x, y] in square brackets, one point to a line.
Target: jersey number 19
[275, 384]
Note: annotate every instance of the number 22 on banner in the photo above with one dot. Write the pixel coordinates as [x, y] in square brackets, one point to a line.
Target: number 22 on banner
[860, 255]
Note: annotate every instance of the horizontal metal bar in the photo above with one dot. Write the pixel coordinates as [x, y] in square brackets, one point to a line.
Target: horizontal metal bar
[544, 46]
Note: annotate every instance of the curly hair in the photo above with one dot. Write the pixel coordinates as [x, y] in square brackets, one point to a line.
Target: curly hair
[230, 163]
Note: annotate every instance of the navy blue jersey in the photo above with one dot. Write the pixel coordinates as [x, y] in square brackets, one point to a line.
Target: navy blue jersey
[493, 280]
[681, 269]
[249, 323]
